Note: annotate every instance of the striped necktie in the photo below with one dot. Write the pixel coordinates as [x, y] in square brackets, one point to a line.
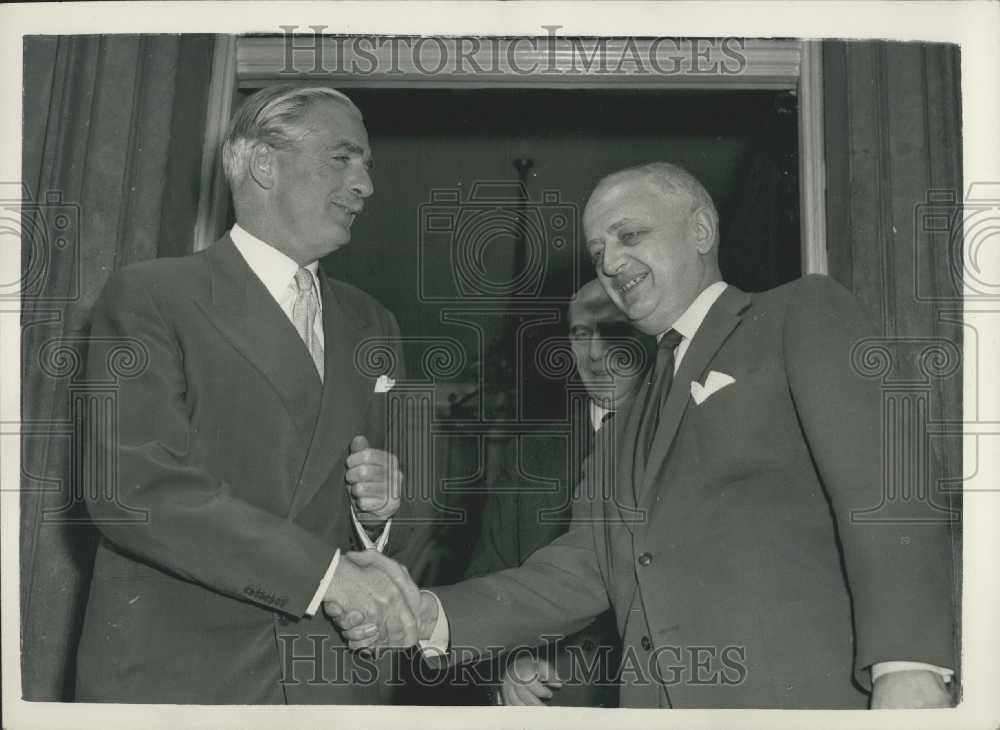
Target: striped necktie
[304, 312]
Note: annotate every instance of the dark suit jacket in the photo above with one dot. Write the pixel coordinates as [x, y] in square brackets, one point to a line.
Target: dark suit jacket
[530, 504]
[227, 470]
[739, 565]
[524, 513]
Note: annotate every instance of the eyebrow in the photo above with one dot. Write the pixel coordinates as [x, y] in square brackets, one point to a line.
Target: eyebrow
[620, 224]
[347, 145]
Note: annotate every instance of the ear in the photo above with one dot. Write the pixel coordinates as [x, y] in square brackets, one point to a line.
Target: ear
[262, 165]
[704, 225]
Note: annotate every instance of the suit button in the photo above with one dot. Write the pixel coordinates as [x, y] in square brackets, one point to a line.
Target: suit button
[283, 621]
[646, 643]
[645, 559]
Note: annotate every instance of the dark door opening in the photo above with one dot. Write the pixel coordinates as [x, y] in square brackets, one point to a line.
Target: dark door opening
[742, 145]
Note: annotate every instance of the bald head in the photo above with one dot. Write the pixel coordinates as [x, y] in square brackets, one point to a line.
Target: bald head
[672, 181]
[652, 234]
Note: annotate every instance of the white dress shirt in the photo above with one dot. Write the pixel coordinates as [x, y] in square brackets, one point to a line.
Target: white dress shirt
[687, 326]
[597, 414]
[276, 272]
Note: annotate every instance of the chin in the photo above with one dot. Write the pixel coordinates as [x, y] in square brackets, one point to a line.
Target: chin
[638, 311]
[338, 241]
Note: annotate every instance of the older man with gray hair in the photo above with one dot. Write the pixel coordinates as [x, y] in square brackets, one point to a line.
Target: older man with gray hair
[733, 543]
[248, 452]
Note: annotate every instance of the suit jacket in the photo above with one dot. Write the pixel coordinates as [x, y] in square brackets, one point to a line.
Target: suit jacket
[517, 523]
[220, 492]
[740, 564]
[531, 502]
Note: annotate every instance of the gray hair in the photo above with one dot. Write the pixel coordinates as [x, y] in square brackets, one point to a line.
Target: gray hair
[274, 116]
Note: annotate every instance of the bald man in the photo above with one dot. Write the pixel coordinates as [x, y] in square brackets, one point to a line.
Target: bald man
[746, 580]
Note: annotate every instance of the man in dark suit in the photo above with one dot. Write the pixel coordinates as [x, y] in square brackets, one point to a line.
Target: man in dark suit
[609, 356]
[248, 447]
[729, 547]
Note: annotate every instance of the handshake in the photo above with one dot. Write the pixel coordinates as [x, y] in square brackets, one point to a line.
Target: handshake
[376, 605]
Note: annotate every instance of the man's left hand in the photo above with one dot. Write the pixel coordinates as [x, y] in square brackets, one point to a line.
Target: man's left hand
[910, 689]
[374, 482]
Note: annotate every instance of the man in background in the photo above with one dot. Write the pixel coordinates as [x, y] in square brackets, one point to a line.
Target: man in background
[610, 357]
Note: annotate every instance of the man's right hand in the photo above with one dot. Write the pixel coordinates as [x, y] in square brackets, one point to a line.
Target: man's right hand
[375, 595]
[362, 633]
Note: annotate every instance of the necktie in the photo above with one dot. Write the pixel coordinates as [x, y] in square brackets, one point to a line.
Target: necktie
[663, 375]
[304, 312]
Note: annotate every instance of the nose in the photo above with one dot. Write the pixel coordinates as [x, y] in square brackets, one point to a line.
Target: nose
[361, 184]
[612, 259]
[597, 348]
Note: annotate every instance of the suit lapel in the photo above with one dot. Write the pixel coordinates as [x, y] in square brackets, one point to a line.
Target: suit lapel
[248, 317]
[721, 320]
[346, 394]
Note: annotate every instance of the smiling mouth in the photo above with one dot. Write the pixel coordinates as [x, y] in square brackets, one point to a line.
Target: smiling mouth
[352, 213]
[625, 287]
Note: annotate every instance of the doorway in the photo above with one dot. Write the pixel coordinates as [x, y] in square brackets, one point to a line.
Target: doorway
[462, 144]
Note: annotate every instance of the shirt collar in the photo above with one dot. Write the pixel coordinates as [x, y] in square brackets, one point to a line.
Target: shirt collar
[689, 322]
[597, 414]
[274, 269]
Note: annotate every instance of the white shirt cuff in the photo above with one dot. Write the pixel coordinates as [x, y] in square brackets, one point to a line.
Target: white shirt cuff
[323, 585]
[363, 534]
[880, 668]
[437, 644]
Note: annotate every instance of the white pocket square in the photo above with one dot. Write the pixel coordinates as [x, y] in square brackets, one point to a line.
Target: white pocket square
[384, 384]
[714, 382]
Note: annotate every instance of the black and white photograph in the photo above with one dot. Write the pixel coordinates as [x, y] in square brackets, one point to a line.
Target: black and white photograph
[500, 364]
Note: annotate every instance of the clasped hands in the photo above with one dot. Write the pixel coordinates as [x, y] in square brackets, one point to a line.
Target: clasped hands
[376, 605]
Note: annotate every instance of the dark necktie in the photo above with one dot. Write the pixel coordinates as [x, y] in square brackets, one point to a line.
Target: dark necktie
[663, 375]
